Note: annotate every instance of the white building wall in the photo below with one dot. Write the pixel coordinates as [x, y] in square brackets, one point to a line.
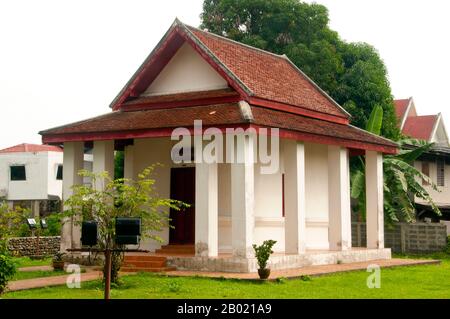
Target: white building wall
[316, 166]
[36, 186]
[187, 71]
[443, 195]
[54, 186]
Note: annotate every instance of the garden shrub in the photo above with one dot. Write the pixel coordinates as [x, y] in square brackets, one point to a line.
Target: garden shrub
[7, 268]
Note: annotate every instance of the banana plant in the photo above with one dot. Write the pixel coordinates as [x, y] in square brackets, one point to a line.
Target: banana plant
[402, 181]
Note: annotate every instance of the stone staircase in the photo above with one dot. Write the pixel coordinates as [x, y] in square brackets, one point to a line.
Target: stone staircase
[156, 262]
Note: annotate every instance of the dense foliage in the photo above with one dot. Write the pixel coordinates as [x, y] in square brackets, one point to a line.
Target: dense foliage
[352, 73]
[402, 181]
[106, 198]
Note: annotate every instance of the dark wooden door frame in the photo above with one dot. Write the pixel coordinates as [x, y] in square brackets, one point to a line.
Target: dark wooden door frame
[182, 187]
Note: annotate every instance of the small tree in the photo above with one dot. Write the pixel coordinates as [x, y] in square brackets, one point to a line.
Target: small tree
[106, 198]
[10, 221]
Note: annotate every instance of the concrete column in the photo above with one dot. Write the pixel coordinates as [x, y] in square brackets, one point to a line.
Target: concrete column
[243, 199]
[295, 200]
[103, 160]
[206, 210]
[339, 218]
[128, 170]
[72, 164]
[374, 200]
[36, 208]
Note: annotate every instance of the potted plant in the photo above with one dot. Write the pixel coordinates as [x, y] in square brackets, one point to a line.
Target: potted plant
[58, 262]
[262, 254]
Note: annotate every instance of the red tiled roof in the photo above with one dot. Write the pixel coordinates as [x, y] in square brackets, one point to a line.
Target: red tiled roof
[400, 107]
[420, 127]
[268, 76]
[31, 148]
[216, 115]
[254, 73]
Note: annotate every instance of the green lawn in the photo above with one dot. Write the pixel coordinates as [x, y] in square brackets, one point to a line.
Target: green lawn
[28, 262]
[430, 281]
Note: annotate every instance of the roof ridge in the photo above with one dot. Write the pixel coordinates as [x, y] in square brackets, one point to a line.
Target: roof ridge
[280, 56]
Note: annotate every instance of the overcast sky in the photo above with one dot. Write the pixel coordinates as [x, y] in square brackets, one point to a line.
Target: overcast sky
[63, 61]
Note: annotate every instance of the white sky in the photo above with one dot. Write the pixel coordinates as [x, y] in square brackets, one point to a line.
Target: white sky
[63, 61]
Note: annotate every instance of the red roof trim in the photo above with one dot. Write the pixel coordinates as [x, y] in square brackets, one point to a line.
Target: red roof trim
[175, 104]
[166, 132]
[297, 110]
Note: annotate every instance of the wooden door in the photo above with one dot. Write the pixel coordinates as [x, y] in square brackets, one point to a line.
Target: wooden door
[182, 187]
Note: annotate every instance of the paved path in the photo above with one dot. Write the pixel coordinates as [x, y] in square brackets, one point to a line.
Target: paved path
[310, 270]
[50, 281]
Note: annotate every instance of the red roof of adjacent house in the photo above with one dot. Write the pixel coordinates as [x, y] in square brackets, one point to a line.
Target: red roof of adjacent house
[254, 73]
[31, 148]
[420, 127]
[147, 123]
[401, 106]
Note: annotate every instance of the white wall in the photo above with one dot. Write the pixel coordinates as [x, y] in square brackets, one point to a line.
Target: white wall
[440, 136]
[187, 71]
[40, 170]
[443, 195]
[316, 166]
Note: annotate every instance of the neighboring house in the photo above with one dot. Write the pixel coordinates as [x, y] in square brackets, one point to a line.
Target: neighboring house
[436, 162]
[31, 176]
[304, 204]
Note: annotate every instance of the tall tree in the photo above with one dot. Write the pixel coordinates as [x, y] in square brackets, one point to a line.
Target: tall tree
[352, 73]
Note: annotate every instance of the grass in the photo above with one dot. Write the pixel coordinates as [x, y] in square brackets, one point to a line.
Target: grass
[28, 262]
[429, 281]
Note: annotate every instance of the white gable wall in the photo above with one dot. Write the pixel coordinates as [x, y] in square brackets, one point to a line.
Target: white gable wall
[440, 135]
[187, 71]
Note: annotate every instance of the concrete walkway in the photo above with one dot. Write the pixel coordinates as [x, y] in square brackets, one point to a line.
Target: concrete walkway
[309, 271]
[50, 281]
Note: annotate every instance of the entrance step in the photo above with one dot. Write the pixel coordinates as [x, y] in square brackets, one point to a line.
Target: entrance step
[176, 250]
[145, 263]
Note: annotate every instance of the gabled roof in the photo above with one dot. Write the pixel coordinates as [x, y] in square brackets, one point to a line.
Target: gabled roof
[420, 127]
[255, 74]
[401, 106]
[31, 148]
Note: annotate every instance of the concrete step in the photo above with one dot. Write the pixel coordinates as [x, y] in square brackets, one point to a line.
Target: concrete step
[147, 269]
[144, 263]
[131, 258]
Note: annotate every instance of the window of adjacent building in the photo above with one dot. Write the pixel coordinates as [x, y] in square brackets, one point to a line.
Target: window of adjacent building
[59, 173]
[426, 172]
[440, 164]
[18, 173]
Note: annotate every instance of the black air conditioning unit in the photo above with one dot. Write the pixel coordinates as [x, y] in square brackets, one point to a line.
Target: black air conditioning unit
[89, 233]
[128, 230]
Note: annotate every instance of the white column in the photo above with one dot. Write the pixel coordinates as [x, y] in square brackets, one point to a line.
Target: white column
[206, 210]
[128, 170]
[339, 229]
[243, 199]
[36, 209]
[72, 164]
[103, 160]
[374, 200]
[295, 200]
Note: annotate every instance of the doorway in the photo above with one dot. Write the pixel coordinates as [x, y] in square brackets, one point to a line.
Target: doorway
[182, 188]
